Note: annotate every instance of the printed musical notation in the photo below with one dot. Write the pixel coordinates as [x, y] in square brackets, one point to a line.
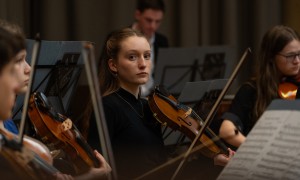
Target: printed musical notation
[271, 150]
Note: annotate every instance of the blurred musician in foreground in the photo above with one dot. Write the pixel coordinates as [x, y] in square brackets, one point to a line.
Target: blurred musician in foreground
[8, 87]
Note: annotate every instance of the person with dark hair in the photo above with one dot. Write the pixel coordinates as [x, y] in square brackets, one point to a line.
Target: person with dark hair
[278, 59]
[148, 17]
[135, 134]
[20, 62]
[8, 85]
[8, 48]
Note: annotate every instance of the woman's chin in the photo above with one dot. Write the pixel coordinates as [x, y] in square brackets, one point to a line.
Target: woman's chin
[143, 81]
[22, 90]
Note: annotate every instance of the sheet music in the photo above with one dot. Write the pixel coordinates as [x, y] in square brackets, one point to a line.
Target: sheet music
[271, 150]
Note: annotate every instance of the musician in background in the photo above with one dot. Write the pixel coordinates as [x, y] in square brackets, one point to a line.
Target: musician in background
[21, 73]
[135, 134]
[278, 59]
[148, 17]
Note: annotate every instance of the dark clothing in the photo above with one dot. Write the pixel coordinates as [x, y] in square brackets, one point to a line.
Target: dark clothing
[160, 41]
[135, 135]
[241, 109]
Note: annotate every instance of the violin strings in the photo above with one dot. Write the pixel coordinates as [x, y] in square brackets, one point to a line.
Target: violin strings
[186, 108]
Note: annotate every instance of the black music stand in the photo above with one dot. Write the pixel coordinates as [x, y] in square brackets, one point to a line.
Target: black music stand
[271, 149]
[176, 66]
[57, 72]
[193, 92]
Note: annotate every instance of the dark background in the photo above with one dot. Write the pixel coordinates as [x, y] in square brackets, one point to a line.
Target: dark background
[187, 23]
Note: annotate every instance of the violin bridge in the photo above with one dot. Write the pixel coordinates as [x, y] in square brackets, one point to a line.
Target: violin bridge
[66, 125]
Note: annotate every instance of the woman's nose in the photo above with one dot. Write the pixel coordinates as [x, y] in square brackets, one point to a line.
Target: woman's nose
[27, 68]
[142, 63]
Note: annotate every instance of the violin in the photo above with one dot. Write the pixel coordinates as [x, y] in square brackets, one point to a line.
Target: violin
[287, 90]
[168, 111]
[60, 134]
[28, 160]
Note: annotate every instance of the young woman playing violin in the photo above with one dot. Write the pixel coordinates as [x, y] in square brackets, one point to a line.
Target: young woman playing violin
[278, 60]
[21, 74]
[135, 134]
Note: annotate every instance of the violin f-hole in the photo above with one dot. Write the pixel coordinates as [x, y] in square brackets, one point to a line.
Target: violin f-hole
[181, 119]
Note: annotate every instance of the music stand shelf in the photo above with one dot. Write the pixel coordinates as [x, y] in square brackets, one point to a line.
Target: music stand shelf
[57, 71]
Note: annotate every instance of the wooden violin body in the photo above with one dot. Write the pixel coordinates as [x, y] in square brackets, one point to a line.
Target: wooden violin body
[29, 160]
[177, 116]
[60, 135]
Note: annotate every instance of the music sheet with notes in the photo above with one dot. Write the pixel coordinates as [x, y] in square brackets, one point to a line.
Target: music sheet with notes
[272, 148]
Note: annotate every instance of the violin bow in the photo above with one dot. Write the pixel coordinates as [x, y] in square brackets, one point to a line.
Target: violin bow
[175, 159]
[34, 57]
[90, 67]
[212, 111]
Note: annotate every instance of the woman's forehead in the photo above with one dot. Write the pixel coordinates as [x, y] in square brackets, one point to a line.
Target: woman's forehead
[135, 43]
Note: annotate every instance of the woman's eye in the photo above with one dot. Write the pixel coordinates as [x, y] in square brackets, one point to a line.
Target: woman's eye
[147, 56]
[132, 57]
[18, 61]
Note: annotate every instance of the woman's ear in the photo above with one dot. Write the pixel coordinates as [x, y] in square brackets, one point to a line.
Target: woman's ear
[112, 66]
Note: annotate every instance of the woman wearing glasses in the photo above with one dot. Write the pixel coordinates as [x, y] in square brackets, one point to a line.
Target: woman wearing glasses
[278, 60]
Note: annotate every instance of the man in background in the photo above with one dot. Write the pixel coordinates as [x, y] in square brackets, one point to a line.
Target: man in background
[148, 17]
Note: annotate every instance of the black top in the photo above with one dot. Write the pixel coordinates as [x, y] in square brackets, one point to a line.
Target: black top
[135, 135]
[160, 41]
[241, 109]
